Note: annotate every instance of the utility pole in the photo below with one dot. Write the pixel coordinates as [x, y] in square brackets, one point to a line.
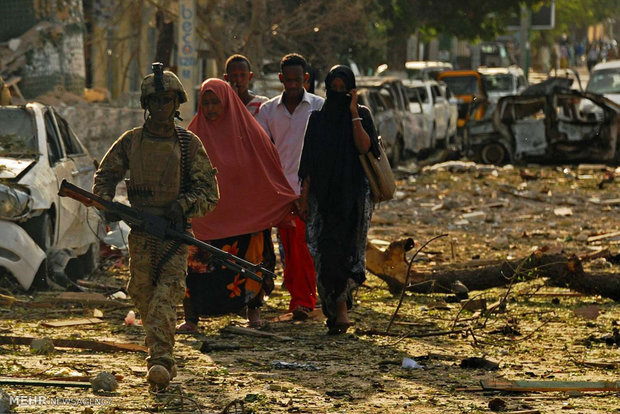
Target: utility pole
[524, 40]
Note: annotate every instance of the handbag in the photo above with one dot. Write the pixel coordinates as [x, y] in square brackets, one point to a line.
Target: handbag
[379, 172]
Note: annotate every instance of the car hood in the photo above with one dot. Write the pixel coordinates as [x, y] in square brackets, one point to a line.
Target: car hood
[614, 97]
[12, 168]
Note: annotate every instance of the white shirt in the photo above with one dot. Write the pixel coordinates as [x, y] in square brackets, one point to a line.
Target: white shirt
[287, 130]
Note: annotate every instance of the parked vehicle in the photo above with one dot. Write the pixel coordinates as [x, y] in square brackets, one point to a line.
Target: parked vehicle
[416, 70]
[38, 150]
[403, 132]
[495, 54]
[605, 80]
[435, 107]
[545, 123]
[470, 94]
[503, 81]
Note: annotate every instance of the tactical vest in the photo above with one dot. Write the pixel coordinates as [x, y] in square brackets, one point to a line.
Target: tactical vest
[155, 171]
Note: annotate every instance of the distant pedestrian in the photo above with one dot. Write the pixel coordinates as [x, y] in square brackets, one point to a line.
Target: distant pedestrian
[593, 56]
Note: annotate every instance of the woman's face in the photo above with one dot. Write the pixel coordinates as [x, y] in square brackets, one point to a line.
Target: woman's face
[338, 85]
[212, 107]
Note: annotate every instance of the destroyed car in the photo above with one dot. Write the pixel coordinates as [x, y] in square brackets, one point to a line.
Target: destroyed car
[546, 123]
[38, 150]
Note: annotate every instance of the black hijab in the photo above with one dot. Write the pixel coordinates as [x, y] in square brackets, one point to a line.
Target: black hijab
[329, 156]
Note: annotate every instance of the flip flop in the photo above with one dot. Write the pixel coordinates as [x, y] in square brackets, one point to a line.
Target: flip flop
[187, 328]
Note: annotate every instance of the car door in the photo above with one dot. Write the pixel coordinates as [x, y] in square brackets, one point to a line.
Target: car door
[67, 211]
[422, 139]
[440, 108]
[83, 221]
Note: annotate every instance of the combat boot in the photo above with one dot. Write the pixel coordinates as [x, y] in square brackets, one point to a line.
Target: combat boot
[158, 377]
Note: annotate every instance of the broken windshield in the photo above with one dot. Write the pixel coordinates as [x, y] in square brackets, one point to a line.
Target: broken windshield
[17, 133]
[462, 85]
[604, 81]
[498, 82]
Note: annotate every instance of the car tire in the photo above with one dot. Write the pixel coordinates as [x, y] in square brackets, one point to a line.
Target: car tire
[397, 151]
[41, 230]
[493, 153]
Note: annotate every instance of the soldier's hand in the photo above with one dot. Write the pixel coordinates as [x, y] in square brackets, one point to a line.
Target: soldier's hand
[176, 217]
[110, 217]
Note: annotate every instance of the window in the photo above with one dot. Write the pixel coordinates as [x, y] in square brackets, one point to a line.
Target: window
[54, 149]
[17, 132]
[387, 99]
[72, 145]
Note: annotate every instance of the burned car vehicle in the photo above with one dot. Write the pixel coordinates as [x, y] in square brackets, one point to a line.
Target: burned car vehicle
[38, 150]
[546, 123]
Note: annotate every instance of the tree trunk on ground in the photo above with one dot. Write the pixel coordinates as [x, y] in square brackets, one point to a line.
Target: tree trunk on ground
[390, 266]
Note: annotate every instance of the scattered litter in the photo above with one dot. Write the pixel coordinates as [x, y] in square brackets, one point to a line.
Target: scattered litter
[118, 235]
[294, 365]
[590, 312]
[409, 363]
[497, 404]
[479, 363]
[71, 322]
[563, 211]
[118, 295]
[42, 346]
[97, 313]
[130, 319]
[104, 381]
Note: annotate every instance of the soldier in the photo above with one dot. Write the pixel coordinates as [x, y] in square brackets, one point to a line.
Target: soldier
[170, 175]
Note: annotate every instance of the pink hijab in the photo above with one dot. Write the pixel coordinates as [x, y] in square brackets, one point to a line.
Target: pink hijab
[254, 193]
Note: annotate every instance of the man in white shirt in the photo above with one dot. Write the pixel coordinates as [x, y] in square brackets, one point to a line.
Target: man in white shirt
[284, 118]
[238, 75]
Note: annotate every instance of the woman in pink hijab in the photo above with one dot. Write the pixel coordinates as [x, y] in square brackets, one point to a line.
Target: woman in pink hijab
[254, 196]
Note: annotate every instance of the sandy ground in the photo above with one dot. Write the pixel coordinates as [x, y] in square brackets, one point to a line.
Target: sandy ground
[544, 335]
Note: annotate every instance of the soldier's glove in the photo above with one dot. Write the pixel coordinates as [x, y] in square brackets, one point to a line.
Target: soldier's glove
[176, 217]
[110, 217]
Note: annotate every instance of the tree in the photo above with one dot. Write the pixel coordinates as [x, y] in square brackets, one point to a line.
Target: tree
[467, 20]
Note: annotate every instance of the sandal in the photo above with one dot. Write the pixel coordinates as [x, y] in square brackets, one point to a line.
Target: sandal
[187, 328]
[338, 328]
[301, 313]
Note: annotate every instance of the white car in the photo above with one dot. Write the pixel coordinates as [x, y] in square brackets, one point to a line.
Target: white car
[605, 80]
[37, 151]
[436, 109]
[503, 81]
[415, 70]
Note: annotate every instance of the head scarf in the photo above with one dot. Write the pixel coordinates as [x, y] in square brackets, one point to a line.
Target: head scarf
[329, 155]
[254, 193]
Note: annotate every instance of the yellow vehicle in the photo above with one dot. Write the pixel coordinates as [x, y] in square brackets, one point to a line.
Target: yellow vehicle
[5, 94]
[469, 91]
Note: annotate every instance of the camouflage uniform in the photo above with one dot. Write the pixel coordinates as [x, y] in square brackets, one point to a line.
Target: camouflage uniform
[158, 267]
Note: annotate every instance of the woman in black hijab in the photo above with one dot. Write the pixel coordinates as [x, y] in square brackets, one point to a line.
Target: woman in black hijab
[336, 198]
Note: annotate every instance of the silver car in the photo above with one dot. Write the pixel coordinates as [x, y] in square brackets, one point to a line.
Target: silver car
[38, 150]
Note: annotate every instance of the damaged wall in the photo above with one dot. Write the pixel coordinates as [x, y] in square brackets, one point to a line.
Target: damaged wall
[98, 126]
[55, 59]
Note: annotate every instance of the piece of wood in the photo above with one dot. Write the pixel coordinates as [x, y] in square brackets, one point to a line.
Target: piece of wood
[43, 383]
[525, 386]
[605, 236]
[586, 257]
[239, 330]
[77, 343]
[7, 300]
[72, 322]
[85, 298]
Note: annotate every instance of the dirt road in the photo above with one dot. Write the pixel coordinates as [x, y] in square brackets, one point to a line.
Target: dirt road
[545, 334]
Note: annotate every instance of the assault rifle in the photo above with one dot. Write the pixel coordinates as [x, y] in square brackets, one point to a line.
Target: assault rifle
[160, 228]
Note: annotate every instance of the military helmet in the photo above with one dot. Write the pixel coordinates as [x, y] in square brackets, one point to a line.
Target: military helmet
[160, 81]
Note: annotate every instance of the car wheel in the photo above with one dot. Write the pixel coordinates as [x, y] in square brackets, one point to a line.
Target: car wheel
[493, 153]
[41, 230]
[83, 265]
[397, 151]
